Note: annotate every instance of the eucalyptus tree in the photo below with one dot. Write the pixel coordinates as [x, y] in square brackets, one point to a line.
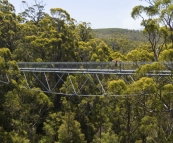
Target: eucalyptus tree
[120, 43]
[22, 111]
[100, 51]
[139, 55]
[84, 31]
[34, 13]
[70, 130]
[143, 91]
[155, 101]
[25, 110]
[8, 72]
[156, 19]
[51, 39]
[165, 14]
[167, 107]
[167, 55]
[54, 38]
[24, 51]
[9, 26]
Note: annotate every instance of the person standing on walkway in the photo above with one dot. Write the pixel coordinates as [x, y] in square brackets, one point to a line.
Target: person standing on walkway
[116, 64]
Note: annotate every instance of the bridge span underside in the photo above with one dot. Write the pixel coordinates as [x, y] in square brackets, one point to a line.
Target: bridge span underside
[82, 78]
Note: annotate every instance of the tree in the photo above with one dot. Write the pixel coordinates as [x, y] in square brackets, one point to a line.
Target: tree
[120, 43]
[9, 26]
[152, 29]
[116, 87]
[84, 31]
[148, 127]
[70, 130]
[34, 13]
[108, 137]
[139, 55]
[164, 10]
[25, 110]
[51, 126]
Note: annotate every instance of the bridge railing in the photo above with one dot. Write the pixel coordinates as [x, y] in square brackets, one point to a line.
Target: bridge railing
[67, 65]
[82, 65]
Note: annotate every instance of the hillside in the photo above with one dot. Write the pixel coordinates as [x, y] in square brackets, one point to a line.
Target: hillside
[106, 33]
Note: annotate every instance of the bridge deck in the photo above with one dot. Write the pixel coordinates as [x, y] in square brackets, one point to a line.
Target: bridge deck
[123, 68]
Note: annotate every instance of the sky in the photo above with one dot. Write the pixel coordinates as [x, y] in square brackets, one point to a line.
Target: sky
[100, 13]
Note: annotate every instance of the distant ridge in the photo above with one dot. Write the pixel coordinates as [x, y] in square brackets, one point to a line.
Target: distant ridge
[106, 33]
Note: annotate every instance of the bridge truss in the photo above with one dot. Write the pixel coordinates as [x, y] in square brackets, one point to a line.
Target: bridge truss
[81, 78]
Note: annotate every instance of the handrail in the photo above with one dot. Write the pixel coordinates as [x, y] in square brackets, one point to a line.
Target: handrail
[89, 65]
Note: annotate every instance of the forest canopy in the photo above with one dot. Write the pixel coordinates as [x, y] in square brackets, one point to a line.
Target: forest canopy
[142, 111]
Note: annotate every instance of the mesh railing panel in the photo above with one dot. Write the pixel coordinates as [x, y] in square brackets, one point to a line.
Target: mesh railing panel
[87, 65]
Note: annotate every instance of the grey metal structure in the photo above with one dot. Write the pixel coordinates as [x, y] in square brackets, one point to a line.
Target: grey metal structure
[123, 68]
[50, 76]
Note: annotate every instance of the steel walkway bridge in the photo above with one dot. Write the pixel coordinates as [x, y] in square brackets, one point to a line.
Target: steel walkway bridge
[123, 68]
[51, 76]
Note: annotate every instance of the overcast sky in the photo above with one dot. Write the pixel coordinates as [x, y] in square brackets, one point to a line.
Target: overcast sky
[100, 13]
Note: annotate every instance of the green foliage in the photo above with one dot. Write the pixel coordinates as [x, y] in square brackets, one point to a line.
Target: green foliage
[69, 131]
[139, 56]
[107, 33]
[166, 55]
[156, 19]
[51, 126]
[60, 13]
[108, 137]
[141, 111]
[17, 138]
[149, 128]
[119, 56]
[26, 109]
[154, 67]
[117, 87]
[120, 40]
[144, 85]
[9, 28]
[84, 31]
